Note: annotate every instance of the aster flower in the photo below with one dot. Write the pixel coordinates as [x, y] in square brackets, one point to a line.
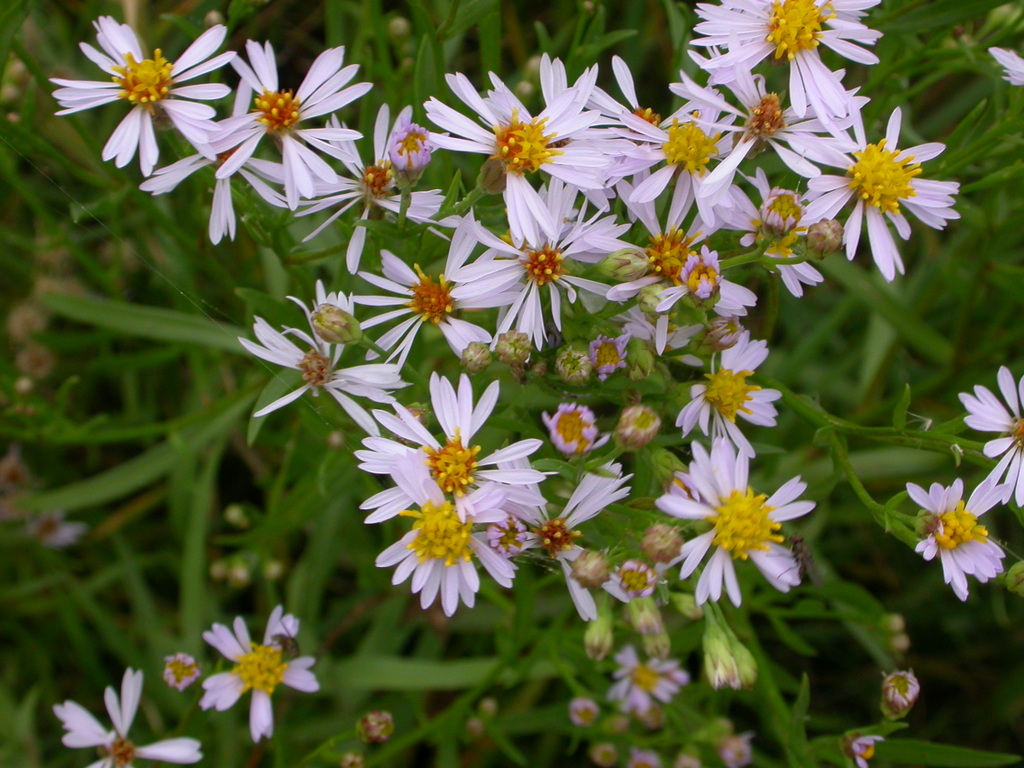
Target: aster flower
[954, 535]
[734, 750]
[987, 414]
[373, 184]
[583, 712]
[319, 363]
[790, 31]
[862, 748]
[84, 730]
[701, 278]
[557, 534]
[279, 113]
[259, 668]
[883, 178]
[573, 429]
[439, 551]
[409, 147]
[1013, 65]
[151, 87]
[640, 683]
[745, 524]
[424, 299]
[608, 355]
[643, 758]
[455, 465]
[636, 578]
[550, 143]
[508, 537]
[180, 670]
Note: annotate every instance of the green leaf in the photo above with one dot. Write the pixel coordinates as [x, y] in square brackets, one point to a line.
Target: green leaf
[397, 674]
[470, 12]
[929, 753]
[937, 14]
[899, 413]
[147, 322]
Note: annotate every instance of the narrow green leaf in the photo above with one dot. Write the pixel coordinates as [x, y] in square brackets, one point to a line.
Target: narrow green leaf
[928, 753]
[899, 413]
[398, 674]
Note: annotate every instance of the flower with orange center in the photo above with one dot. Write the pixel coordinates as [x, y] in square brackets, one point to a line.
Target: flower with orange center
[453, 465]
[277, 110]
[668, 252]
[554, 536]
[766, 119]
[378, 179]
[543, 266]
[431, 301]
[524, 147]
[144, 82]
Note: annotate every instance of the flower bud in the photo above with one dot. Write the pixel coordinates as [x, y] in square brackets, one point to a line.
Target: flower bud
[335, 326]
[212, 19]
[639, 360]
[608, 355]
[513, 348]
[235, 515]
[653, 717]
[409, 151]
[352, 760]
[686, 760]
[590, 569]
[488, 707]
[723, 333]
[824, 237]
[665, 465]
[658, 645]
[661, 543]
[735, 751]
[475, 727]
[1015, 578]
[399, 28]
[638, 425]
[375, 727]
[644, 615]
[598, 637]
[476, 356]
[625, 265]
[643, 758]
[727, 662]
[574, 366]
[686, 604]
[899, 694]
[649, 298]
[583, 712]
[603, 754]
[492, 176]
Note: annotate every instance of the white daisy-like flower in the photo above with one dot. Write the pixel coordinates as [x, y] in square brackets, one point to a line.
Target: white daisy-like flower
[279, 113]
[532, 267]
[883, 179]
[557, 534]
[373, 185]
[151, 87]
[1013, 65]
[954, 535]
[424, 300]
[438, 552]
[84, 730]
[640, 683]
[454, 463]
[987, 414]
[319, 363]
[701, 278]
[790, 30]
[573, 429]
[552, 142]
[745, 525]
[259, 668]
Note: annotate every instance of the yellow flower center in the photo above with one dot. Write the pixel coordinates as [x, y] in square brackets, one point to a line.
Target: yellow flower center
[648, 114]
[608, 354]
[795, 25]
[524, 147]
[411, 145]
[442, 536]
[728, 392]
[180, 670]
[543, 266]
[1017, 433]
[766, 118]
[787, 207]
[880, 179]
[279, 110]
[667, 253]
[316, 369]
[701, 272]
[867, 751]
[742, 524]
[688, 146]
[453, 465]
[555, 538]
[570, 428]
[430, 300]
[122, 752]
[635, 580]
[261, 669]
[645, 678]
[146, 81]
[782, 247]
[958, 527]
[377, 179]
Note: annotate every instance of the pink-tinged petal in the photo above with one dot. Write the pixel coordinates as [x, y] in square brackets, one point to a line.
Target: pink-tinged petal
[261, 716]
[131, 693]
[121, 145]
[222, 691]
[301, 679]
[693, 551]
[1008, 388]
[83, 730]
[181, 750]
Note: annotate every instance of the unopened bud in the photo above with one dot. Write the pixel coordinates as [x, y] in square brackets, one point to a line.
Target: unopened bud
[273, 570]
[410, 151]
[488, 707]
[603, 754]
[598, 637]
[574, 366]
[723, 333]
[583, 712]
[649, 298]
[590, 569]
[644, 615]
[213, 18]
[625, 265]
[235, 515]
[638, 426]
[375, 727]
[824, 237]
[686, 604]
[336, 440]
[735, 751]
[658, 645]
[639, 360]
[476, 356]
[727, 662]
[665, 465]
[686, 760]
[492, 176]
[513, 348]
[899, 694]
[1015, 578]
[335, 326]
[352, 760]
[617, 724]
[661, 543]
[475, 727]
[894, 623]
[653, 718]
[399, 28]
[900, 643]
